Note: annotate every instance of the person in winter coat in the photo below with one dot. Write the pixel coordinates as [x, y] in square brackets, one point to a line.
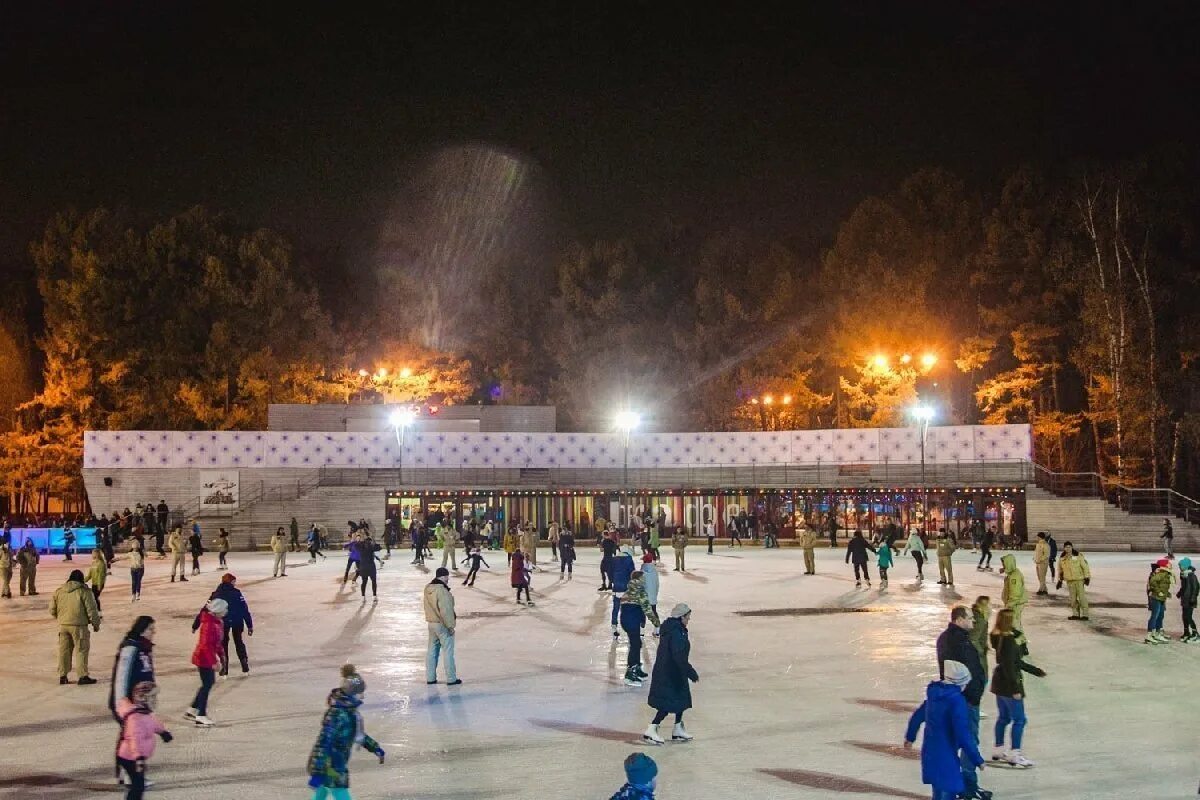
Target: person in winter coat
[640, 777]
[449, 545]
[68, 544]
[808, 543]
[6, 566]
[1041, 560]
[552, 535]
[1009, 688]
[1013, 595]
[511, 542]
[475, 557]
[947, 732]
[367, 568]
[519, 576]
[353, 556]
[650, 580]
[1158, 589]
[884, 562]
[1189, 592]
[134, 663]
[1073, 568]
[97, 575]
[566, 553]
[656, 538]
[856, 551]
[635, 610]
[137, 569]
[1168, 536]
[957, 644]
[916, 546]
[679, 543]
[609, 547]
[441, 619]
[669, 690]
[206, 657]
[74, 607]
[945, 557]
[279, 548]
[981, 612]
[139, 727]
[314, 544]
[237, 621]
[985, 550]
[529, 544]
[27, 563]
[619, 572]
[222, 543]
[341, 729]
[294, 536]
[176, 544]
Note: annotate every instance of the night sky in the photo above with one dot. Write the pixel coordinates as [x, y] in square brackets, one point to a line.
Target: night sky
[777, 121]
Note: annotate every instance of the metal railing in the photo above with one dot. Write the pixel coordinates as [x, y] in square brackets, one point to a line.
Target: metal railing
[1131, 499]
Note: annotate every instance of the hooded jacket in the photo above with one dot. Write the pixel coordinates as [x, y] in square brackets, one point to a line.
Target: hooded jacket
[1041, 552]
[97, 573]
[1013, 594]
[208, 650]
[341, 729]
[856, 549]
[74, 604]
[1073, 568]
[915, 544]
[636, 606]
[1189, 589]
[1006, 678]
[947, 730]
[517, 571]
[239, 609]
[1159, 585]
[619, 572]
[139, 729]
[650, 579]
[885, 557]
[669, 687]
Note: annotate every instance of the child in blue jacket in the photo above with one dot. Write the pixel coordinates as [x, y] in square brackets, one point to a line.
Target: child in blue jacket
[947, 730]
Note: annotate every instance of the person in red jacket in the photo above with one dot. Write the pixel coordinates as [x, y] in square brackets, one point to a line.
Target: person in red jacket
[208, 655]
[520, 576]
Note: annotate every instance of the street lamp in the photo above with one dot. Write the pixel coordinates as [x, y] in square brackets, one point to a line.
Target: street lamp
[626, 422]
[923, 414]
[400, 419]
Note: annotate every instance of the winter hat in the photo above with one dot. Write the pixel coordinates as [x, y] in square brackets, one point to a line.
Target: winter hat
[352, 682]
[956, 672]
[217, 606]
[640, 769]
[76, 575]
[647, 557]
[228, 577]
[681, 610]
[442, 572]
[1162, 562]
[1185, 563]
[627, 551]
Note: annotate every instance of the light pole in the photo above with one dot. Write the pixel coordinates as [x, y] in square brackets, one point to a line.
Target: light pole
[923, 414]
[626, 422]
[400, 420]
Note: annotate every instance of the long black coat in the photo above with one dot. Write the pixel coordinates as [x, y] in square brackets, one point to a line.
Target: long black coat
[669, 689]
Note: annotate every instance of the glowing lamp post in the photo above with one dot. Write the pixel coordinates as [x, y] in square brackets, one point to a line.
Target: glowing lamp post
[626, 421]
[923, 414]
[400, 420]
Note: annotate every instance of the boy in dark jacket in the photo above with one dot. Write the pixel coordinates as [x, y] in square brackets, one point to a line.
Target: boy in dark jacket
[856, 552]
[237, 621]
[1189, 591]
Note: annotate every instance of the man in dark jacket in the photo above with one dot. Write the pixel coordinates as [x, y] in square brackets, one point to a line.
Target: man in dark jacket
[954, 644]
[237, 620]
[856, 551]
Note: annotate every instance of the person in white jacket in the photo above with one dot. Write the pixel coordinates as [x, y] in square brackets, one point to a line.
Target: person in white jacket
[916, 546]
[650, 580]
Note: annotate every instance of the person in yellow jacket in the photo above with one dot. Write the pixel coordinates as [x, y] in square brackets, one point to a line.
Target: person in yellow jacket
[1073, 568]
[279, 547]
[97, 573]
[6, 564]
[178, 547]
[679, 543]
[27, 561]
[1041, 561]
[510, 542]
[74, 606]
[808, 543]
[945, 553]
[1013, 595]
[529, 543]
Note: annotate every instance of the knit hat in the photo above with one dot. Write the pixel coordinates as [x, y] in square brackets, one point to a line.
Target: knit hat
[228, 577]
[1185, 563]
[647, 557]
[956, 672]
[76, 575]
[217, 606]
[352, 682]
[627, 551]
[1162, 562]
[442, 572]
[680, 610]
[640, 769]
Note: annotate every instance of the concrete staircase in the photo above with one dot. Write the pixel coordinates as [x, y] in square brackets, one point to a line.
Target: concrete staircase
[1093, 524]
[328, 506]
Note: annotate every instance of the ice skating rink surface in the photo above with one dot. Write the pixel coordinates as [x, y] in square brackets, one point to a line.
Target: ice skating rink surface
[806, 684]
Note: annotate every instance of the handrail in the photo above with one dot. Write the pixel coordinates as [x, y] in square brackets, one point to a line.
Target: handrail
[1131, 499]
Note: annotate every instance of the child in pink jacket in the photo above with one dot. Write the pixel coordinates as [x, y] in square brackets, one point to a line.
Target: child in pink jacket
[139, 726]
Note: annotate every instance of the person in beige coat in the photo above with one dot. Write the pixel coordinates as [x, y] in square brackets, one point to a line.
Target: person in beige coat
[450, 545]
[441, 621]
[808, 543]
[178, 547]
[529, 542]
[1041, 561]
[679, 543]
[6, 565]
[279, 546]
[74, 606]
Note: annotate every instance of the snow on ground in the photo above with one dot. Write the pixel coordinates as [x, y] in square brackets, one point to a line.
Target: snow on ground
[793, 705]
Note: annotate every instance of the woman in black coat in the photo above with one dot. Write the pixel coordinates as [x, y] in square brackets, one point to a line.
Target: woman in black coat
[669, 689]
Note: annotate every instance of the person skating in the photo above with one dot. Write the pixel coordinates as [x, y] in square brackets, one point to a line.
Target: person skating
[641, 774]
[314, 544]
[196, 548]
[670, 692]
[137, 570]
[529, 545]
[566, 553]
[553, 533]
[916, 547]
[608, 553]
[510, 542]
[68, 544]
[353, 556]
[176, 544]
[635, 610]
[449, 545]
[27, 564]
[1041, 560]
[884, 562]
[1158, 589]
[519, 576]
[294, 536]
[206, 657]
[341, 729]
[1013, 595]
[957, 644]
[620, 571]
[134, 663]
[280, 550]
[1009, 688]
[947, 733]
[139, 727]
[476, 558]
[650, 580]
[655, 538]
[856, 552]
[97, 575]
[710, 533]
[368, 568]
[679, 543]
[808, 544]
[1168, 537]
[6, 568]
[1053, 543]
[736, 530]
[986, 540]
[222, 543]
[1073, 568]
[237, 620]
[74, 607]
[945, 557]
[1189, 592]
[441, 620]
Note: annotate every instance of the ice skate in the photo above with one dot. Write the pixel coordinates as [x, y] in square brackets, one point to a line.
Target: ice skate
[641, 673]
[650, 735]
[999, 754]
[883, 584]
[857, 584]
[633, 681]
[1162, 637]
[1017, 760]
[190, 714]
[204, 721]
[1150, 639]
[679, 734]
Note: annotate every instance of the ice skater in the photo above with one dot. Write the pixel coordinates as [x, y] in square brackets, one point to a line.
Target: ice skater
[511, 542]
[476, 558]
[341, 729]
[884, 562]
[519, 576]
[206, 657]
[856, 552]
[1013, 595]
[441, 620]
[566, 553]
[916, 546]
[314, 544]
[222, 543]
[1009, 688]
[176, 544]
[947, 731]
[137, 569]
[986, 540]
[352, 557]
[609, 546]
[650, 580]
[669, 689]
[1189, 592]
[97, 575]
[1158, 590]
[635, 610]
[196, 548]
[139, 727]
[237, 621]
[368, 568]
[619, 572]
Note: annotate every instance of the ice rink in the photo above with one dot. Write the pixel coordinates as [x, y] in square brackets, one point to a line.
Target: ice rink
[806, 684]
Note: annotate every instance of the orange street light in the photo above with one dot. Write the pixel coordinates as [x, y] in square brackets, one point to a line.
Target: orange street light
[362, 373]
[406, 373]
[768, 399]
[880, 361]
[382, 372]
[904, 359]
[753, 401]
[787, 399]
[928, 360]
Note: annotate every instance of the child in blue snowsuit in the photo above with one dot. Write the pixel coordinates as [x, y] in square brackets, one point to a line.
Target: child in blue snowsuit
[947, 730]
[341, 729]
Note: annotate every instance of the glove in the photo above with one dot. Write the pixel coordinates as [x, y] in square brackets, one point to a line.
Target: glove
[166, 737]
[315, 782]
[381, 754]
[1087, 581]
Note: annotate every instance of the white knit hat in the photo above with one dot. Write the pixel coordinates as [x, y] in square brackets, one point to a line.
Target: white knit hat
[217, 606]
[956, 672]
